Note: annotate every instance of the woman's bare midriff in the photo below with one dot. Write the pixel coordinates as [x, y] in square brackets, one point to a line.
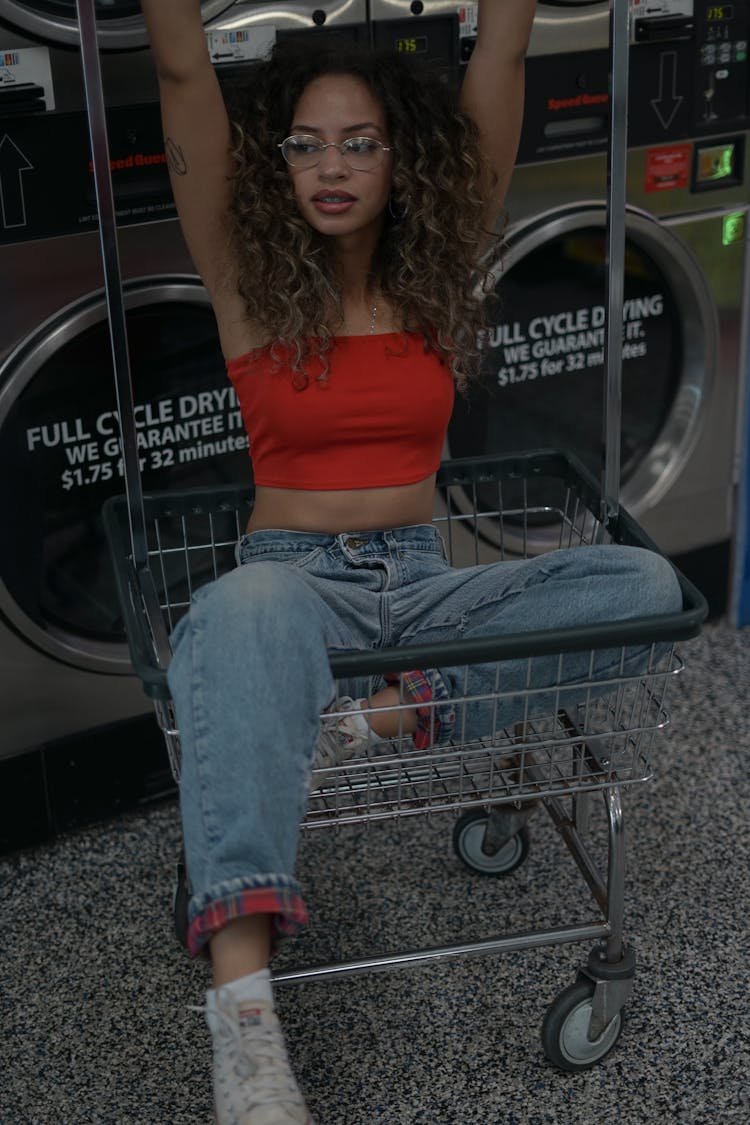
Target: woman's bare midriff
[332, 513]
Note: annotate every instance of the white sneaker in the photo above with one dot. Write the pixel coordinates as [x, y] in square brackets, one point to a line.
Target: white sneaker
[253, 1079]
[343, 736]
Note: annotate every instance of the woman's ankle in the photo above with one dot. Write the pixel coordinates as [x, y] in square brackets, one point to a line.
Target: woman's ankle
[241, 947]
[390, 724]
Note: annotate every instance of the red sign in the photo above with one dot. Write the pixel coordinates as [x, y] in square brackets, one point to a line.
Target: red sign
[668, 167]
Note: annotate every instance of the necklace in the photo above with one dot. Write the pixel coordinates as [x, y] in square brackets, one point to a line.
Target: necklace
[373, 318]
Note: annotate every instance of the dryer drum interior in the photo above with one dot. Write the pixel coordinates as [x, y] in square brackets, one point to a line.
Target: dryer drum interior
[543, 357]
[61, 458]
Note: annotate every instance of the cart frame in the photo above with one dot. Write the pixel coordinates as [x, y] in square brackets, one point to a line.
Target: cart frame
[558, 759]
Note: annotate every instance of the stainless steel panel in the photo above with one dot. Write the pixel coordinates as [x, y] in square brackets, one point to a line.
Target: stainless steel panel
[294, 15]
[697, 507]
[42, 699]
[70, 269]
[539, 187]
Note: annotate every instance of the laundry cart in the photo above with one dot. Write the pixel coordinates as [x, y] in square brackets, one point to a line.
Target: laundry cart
[546, 742]
[551, 746]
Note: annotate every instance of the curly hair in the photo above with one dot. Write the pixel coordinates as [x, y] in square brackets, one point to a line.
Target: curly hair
[427, 263]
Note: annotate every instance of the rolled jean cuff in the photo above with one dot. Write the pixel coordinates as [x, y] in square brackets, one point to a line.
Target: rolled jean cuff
[277, 895]
[428, 693]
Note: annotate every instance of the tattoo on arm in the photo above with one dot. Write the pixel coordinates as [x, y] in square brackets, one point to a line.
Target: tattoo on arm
[175, 157]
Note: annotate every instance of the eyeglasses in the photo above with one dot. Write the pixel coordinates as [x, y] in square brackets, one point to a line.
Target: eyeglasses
[362, 154]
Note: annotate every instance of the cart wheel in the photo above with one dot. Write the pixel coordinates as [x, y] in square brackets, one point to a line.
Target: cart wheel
[565, 1029]
[468, 836]
[180, 900]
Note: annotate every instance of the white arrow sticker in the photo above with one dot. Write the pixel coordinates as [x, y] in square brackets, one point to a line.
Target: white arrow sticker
[13, 164]
[241, 45]
[668, 101]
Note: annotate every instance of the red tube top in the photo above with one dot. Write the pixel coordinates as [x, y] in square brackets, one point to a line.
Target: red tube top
[378, 419]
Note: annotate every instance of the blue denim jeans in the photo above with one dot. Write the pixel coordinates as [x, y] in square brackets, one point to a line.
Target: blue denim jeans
[250, 676]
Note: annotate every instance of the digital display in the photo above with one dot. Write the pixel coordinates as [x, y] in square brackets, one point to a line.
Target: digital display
[412, 44]
[716, 163]
[716, 13]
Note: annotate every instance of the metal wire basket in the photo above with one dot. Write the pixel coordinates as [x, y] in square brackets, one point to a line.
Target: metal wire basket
[486, 510]
[565, 741]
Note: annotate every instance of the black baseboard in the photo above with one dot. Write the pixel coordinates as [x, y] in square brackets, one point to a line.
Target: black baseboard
[708, 569]
[81, 780]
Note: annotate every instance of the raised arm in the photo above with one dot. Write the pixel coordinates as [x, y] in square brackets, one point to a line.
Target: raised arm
[197, 139]
[493, 87]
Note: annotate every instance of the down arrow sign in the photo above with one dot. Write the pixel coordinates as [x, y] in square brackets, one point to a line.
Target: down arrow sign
[667, 104]
[13, 164]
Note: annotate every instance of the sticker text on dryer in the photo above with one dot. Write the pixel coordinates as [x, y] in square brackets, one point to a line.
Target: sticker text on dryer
[81, 451]
[566, 341]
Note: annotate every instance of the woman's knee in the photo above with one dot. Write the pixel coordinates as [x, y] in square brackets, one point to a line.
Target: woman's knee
[611, 583]
[653, 581]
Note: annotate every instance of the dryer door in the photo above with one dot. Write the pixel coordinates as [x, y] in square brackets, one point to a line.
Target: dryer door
[543, 355]
[60, 455]
[120, 21]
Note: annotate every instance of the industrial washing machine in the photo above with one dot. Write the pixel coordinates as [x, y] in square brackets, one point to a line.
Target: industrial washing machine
[41, 64]
[42, 68]
[685, 322]
[64, 667]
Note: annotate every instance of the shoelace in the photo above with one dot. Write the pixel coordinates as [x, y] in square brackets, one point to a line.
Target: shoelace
[256, 1052]
[339, 737]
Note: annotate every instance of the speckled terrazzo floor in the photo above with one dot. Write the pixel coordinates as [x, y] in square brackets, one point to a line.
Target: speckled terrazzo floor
[94, 990]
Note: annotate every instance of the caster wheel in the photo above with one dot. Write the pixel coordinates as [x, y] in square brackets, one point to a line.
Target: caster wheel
[565, 1029]
[180, 900]
[468, 836]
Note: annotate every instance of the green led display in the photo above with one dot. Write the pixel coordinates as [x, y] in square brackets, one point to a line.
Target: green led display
[733, 228]
[723, 164]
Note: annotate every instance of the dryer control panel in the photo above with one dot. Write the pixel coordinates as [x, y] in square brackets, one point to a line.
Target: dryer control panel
[722, 61]
[689, 77]
[694, 53]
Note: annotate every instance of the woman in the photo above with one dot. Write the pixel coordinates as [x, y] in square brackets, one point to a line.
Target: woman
[337, 226]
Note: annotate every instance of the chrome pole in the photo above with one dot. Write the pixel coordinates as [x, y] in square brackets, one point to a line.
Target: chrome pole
[615, 255]
[112, 277]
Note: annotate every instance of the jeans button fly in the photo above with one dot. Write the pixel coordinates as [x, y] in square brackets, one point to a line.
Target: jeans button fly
[351, 542]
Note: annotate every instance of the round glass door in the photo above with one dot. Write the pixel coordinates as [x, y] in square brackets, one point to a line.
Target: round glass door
[120, 22]
[61, 460]
[543, 356]
[66, 9]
